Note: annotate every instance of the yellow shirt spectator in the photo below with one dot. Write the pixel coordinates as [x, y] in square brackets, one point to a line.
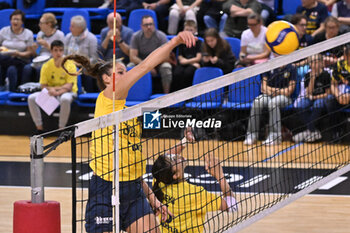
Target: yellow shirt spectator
[54, 76]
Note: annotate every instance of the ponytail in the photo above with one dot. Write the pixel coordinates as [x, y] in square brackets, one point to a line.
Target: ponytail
[94, 70]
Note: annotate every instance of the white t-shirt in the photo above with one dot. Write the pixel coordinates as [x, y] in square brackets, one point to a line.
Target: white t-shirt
[18, 42]
[255, 45]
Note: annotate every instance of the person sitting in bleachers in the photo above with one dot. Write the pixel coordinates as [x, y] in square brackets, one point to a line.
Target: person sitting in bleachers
[277, 87]
[217, 52]
[48, 33]
[188, 61]
[16, 49]
[144, 42]
[253, 45]
[268, 14]
[214, 17]
[127, 5]
[312, 101]
[58, 83]
[300, 22]
[81, 41]
[341, 10]
[237, 11]
[182, 9]
[161, 7]
[332, 27]
[316, 14]
[340, 89]
[123, 38]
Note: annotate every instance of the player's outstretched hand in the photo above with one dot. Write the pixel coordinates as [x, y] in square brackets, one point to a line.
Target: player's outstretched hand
[186, 38]
[189, 135]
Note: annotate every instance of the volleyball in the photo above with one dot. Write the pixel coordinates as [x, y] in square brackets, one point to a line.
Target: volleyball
[281, 37]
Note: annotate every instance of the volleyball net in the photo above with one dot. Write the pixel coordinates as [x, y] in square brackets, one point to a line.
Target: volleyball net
[291, 150]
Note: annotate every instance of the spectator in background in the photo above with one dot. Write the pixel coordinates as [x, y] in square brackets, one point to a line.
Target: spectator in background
[123, 38]
[310, 106]
[341, 10]
[182, 9]
[81, 41]
[253, 45]
[48, 33]
[161, 7]
[277, 87]
[214, 17]
[128, 5]
[340, 89]
[16, 49]
[328, 2]
[237, 11]
[217, 52]
[145, 41]
[332, 27]
[316, 14]
[267, 14]
[58, 83]
[300, 22]
[188, 61]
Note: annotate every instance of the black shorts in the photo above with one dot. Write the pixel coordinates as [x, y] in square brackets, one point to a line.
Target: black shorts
[133, 205]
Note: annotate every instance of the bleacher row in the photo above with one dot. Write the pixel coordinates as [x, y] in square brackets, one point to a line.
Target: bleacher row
[282, 7]
[241, 94]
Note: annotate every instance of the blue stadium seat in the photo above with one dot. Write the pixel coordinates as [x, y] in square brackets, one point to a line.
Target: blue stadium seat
[177, 105]
[242, 94]
[87, 100]
[5, 17]
[211, 99]
[68, 14]
[235, 45]
[135, 18]
[34, 11]
[94, 13]
[289, 7]
[3, 97]
[141, 91]
[17, 99]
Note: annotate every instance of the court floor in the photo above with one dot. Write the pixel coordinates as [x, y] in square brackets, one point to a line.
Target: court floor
[312, 213]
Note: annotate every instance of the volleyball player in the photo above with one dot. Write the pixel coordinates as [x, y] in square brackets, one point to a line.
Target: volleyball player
[188, 203]
[135, 212]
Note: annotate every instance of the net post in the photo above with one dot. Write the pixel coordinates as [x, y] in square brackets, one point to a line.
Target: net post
[115, 196]
[74, 187]
[37, 169]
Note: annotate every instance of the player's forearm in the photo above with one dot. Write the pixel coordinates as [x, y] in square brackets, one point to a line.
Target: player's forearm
[225, 187]
[149, 193]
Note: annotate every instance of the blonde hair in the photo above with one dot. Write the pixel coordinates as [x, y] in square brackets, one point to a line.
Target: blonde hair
[50, 18]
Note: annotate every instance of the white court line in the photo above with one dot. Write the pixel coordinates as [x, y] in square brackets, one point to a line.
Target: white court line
[333, 183]
[307, 183]
[253, 181]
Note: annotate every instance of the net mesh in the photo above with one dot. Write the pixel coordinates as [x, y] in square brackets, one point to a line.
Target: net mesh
[272, 137]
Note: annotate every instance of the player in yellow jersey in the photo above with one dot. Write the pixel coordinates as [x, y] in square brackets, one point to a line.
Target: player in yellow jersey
[188, 203]
[136, 214]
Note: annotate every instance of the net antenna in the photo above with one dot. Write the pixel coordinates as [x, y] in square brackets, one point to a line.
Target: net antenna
[115, 195]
